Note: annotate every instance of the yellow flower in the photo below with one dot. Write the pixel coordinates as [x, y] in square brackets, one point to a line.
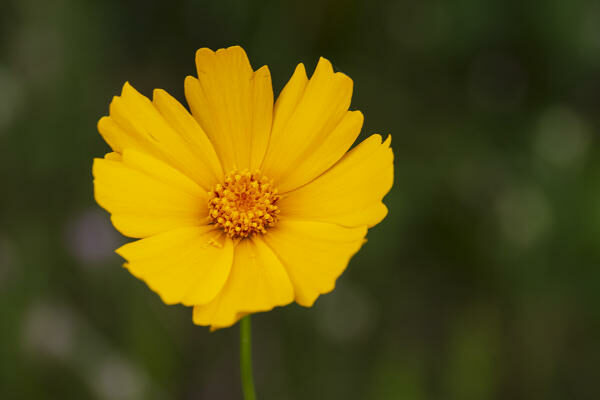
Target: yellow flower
[244, 204]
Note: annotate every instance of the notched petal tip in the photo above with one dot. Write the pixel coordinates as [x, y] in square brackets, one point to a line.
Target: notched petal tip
[387, 144]
[345, 80]
[324, 64]
[357, 116]
[374, 138]
[262, 73]
[127, 88]
[378, 137]
[388, 140]
[206, 56]
[204, 52]
[234, 48]
[115, 99]
[129, 92]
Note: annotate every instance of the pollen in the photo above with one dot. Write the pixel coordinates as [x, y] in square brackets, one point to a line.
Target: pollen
[244, 204]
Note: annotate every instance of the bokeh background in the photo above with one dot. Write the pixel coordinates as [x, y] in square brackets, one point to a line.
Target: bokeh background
[482, 283]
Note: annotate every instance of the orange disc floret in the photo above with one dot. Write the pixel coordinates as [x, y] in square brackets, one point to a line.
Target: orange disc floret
[244, 204]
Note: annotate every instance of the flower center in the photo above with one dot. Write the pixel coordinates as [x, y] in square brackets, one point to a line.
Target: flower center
[246, 203]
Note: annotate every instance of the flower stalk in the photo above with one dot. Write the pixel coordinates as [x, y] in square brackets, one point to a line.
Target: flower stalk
[246, 359]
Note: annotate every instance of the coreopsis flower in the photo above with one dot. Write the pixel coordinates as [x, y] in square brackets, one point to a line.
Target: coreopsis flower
[241, 204]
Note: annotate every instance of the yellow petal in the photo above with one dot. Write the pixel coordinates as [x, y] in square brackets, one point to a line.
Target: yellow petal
[289, 98]
[146, 196]
[187, 265]
[114, 156]
[312, 127]
[206, 163]
[160, 171]
[164, 130]
[233, 104]
[257, 282]
[350, 193]
[314, 254]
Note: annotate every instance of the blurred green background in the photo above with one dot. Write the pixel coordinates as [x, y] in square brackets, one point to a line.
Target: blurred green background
[482, 283]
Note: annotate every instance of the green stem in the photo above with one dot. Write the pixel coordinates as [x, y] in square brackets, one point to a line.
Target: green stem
[246, 358]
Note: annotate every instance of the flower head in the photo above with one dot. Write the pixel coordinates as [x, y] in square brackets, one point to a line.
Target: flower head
[243, 204]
